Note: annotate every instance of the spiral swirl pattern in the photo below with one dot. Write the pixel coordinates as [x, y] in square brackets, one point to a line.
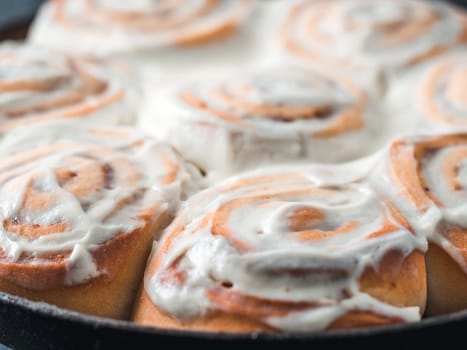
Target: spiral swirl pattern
[38, 85]
[68, 195]
[268, 116]
[429, 175]
[278, 248]
[441, 94]
[117, 26]
[364, 34]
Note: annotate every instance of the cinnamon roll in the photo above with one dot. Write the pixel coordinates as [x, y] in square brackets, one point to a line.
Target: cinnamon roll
[106, 27]
[425, 178]
[284, 250]
[80, 208]
[265, 117]
[39, 85]
[373, 36]
[441, 97]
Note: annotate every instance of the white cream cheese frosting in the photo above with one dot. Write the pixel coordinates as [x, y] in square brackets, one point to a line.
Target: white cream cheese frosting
[244, 237]
[369, 40]
[41, 85]
[425, 177]
[251, 42]
[104, 28]
[66, 189]
[437, 93]
[263, 117]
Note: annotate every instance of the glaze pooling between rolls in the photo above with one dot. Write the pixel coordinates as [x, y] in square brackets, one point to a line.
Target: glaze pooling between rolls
[39, 85]
[370, 34]
[266, 117]
[278, 248]
[68, 194]
[107, 27]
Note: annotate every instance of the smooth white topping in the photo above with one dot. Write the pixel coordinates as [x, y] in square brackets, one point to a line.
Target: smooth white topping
[320, 318]
[39, 85]
[374, 35]
[432, 169]
[225, 145]
[140, 174]
[440, 105]
[103, 33]
[272, 262]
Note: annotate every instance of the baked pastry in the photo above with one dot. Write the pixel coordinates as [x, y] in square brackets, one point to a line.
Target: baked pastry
[264, 117]
[39, 85]
[372, 37]
[80, 208]
[425, 178]
[441, 94]
[436, 91]
[103, 28]
[284, 250]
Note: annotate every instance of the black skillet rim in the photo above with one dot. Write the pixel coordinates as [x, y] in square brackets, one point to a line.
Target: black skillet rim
[431, 328]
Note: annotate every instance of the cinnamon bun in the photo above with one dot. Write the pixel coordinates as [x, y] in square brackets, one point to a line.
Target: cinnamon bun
[265, 117]
[284, 250]
[39, 85]
[107, 27]
[425, 176]
[370, 36]
[441, 97]
[80, 208]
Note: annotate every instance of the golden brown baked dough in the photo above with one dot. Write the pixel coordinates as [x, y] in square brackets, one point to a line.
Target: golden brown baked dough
[225, 254]
[447, 283]
[80, 209]
[110, 295]
[424, 176]
[399, 281]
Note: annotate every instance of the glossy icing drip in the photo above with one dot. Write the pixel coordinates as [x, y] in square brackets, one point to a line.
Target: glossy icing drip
[68, 190]
[285, 247]
[426, 176]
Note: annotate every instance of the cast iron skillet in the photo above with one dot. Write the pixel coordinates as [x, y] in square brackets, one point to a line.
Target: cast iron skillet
[32, 325]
